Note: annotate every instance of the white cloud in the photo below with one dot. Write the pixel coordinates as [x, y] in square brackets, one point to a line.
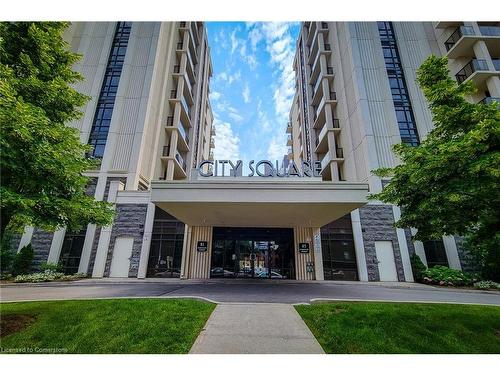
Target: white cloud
[277, 148]
[214, 96]
[246, 93]
[235, 116]
[227, 144]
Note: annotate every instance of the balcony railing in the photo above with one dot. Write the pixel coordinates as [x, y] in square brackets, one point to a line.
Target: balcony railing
[490, 30]
[170, 121]
[173, 94]
[179, 45]
[456, 35]
[166, 151]
[177, 68]
[181, 160]
[183, 133]
[333, 95]
[339, 152]
[496, 64]
[323, 25]
[328, 47]
[489, 100]
[472, 66]
[329, 70]
[336, 123]
[183, 24]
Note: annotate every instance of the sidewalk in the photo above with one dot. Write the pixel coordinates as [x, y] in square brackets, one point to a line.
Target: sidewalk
[255, 329]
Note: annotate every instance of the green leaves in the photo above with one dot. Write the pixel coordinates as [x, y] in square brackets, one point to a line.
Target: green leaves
[450, 184]
[42, 159]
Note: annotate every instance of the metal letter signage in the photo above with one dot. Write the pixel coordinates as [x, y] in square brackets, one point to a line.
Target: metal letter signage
[202, 246]
[303, 247]
[263, 168]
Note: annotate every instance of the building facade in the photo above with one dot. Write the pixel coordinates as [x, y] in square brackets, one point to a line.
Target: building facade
[150, 124]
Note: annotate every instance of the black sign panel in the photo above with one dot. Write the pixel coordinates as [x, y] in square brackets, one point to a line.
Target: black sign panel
[202, 246]
[304, 247]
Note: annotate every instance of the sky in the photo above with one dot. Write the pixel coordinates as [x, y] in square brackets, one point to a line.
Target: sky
[252, 87]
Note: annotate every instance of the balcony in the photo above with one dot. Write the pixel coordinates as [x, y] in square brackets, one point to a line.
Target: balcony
[174, 99]
[183, 139]
[327, 159]
[319, 116]
[289, 140]
[179, 162]
[289, 128]
[194, 32]
[211, 156]
[212, 131]
[212, 143]
[470, 68]
[457, 35]
[183, 25]
[322, 136]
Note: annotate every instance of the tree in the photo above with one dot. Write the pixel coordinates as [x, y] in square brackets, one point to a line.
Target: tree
[23, 261]
[42, 160]
[450, 183]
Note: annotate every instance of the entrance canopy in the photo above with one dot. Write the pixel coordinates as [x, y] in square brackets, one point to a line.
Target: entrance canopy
[267, 202]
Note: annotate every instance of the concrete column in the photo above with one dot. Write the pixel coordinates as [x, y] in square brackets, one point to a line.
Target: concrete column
[56, 246]
[419, 248]
[359, 246]
[450, 247]
[146, 241]
[26, 237]
[481, 51]
[87, 249]
[318, 254]
[403, 246]
[493, 84]
[185, 252]
[105, 236]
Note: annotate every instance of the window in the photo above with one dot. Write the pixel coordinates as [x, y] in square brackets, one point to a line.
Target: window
[109, 88]
[165, 251]
[71, 251]
[435, 253]
[404, 113]
[337, 246]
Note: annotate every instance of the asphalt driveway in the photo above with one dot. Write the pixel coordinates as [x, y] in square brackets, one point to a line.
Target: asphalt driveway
[258, 291]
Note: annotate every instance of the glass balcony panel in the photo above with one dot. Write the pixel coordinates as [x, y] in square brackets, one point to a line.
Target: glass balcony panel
[490, 30]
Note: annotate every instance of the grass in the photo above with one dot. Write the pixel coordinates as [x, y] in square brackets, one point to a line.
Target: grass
[368, 327]
[107, 326]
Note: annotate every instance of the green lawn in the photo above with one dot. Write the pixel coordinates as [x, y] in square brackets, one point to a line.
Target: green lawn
[366, 327]
[108, 326]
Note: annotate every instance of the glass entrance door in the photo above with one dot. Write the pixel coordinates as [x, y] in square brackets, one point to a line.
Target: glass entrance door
[252, 253]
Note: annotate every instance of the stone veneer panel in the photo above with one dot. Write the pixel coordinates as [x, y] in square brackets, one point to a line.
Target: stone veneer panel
[377, 224]
[129, 221]
[41, 242]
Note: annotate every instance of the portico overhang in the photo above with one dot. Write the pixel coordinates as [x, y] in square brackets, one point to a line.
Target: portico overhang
[271, 202]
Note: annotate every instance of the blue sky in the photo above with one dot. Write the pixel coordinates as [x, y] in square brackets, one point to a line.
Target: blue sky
[251, 88]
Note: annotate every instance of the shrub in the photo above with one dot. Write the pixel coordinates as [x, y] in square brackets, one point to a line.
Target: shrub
[447, 276]
[23, 260]
[47, 275]
[417, 267]
[46, 266]
[487, 284]
[7, 255]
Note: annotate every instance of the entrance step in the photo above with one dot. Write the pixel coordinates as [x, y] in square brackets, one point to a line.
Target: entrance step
[255, 329]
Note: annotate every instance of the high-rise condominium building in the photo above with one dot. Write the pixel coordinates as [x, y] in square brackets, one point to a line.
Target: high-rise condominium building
[180, 213]
[356, 97]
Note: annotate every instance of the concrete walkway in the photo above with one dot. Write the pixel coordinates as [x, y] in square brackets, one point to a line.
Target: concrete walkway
[263, 328]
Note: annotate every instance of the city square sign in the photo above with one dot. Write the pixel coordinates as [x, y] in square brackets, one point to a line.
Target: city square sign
[263, 168]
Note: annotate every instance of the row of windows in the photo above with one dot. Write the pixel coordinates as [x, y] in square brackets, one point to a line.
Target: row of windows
[109, 88]
[397, 83]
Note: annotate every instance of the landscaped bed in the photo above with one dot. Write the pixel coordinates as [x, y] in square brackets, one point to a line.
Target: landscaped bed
[103, 326]
[369, 327]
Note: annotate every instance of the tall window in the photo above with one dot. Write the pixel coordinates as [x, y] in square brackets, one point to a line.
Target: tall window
[435, 253]
[106, 102]
[165, 251]
[399, 90]
[71, 251]
[339, 254]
